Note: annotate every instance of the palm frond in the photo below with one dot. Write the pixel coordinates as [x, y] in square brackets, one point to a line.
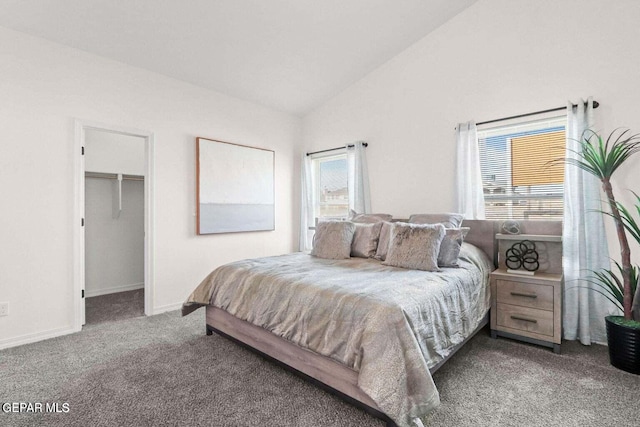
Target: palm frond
[607, 280]
[602, 158]
[609, 284]
[604, 294]
[629, 222]
[627, 219]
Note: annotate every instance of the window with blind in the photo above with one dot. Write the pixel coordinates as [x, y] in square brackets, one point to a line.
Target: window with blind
[519, 182]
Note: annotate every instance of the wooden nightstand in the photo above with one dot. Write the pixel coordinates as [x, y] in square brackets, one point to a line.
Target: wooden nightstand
[529, 308]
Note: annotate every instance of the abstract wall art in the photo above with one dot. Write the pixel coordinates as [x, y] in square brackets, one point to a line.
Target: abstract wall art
[234, 187]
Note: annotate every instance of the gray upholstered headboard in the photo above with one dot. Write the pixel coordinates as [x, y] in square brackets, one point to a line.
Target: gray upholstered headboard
[482, 234]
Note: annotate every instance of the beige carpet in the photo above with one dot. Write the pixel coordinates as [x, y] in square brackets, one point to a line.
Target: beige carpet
[164, 370]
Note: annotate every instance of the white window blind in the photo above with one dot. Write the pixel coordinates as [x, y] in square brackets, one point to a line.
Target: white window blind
[519, 180]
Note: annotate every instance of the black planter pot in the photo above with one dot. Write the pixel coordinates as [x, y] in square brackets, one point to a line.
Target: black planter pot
[624, 347]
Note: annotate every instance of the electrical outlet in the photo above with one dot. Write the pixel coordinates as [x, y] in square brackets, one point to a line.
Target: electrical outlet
[4, 308]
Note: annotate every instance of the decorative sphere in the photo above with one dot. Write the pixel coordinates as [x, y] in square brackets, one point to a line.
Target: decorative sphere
[511, 227]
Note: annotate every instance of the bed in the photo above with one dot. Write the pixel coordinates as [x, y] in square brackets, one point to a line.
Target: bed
[370, 333]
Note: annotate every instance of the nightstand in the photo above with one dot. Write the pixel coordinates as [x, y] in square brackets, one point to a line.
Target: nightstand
[529, 307]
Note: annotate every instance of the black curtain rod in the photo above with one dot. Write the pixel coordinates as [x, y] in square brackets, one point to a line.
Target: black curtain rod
[364, 144]
[596, 104]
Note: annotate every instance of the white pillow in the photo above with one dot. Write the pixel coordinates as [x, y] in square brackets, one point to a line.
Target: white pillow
[450, 246]
[368, 218]
[332, 239]
[415, 246]
[449, 220]
[383, 241]
[365, 240]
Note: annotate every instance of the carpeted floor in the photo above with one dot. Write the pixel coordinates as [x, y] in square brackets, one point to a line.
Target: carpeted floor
[164, 370]
[116, 306]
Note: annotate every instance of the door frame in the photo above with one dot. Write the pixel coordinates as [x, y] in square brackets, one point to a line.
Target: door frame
[79, 214]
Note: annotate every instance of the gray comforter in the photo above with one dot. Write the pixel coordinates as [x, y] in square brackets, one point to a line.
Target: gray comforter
[388, 324]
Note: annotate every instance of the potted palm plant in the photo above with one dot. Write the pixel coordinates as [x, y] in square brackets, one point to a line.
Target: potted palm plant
[620, 285]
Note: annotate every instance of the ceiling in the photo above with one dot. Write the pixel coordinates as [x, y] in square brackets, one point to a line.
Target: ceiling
[291, 55]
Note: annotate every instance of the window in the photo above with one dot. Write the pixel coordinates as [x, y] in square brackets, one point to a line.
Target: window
[329, 177]
[517, 178]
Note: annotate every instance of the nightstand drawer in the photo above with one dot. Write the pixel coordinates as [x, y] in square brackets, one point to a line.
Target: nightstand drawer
[525, 294]
[525, 319]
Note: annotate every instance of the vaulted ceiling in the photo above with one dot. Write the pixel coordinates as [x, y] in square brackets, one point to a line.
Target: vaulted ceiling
[291, 55]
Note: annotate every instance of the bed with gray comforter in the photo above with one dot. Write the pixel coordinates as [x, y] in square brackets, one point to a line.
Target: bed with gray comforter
[388, 324]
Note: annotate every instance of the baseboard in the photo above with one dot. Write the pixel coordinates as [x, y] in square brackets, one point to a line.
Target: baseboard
[53, 333]
[168, 307]
[36, 336]
[112, 290]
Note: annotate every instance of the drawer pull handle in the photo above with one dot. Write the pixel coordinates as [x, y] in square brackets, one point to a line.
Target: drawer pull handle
[526, 319]
[524, 294]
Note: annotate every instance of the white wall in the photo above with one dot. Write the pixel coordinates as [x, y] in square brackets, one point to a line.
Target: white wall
[114, 246]
[109, 152]
[43, 88]
[497, 58]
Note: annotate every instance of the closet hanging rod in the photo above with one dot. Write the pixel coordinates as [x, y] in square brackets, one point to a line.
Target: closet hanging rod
[596, 104]
[113, 176]
[364, 144]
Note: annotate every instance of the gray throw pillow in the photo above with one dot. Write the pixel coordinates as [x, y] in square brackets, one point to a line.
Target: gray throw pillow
[450, 246]
[383, 242]
[449, 220]
[365, 240]
[332, 239]
[368, 218]
[415, 246]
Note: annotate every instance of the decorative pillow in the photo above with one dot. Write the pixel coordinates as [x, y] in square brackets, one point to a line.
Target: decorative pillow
[450, 246]
[332, 239]
[449, 220]
[383, 242]
[415, 246]
[368, 218]
[365, 240]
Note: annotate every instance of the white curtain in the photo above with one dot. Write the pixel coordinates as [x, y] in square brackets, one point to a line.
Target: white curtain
[469, 182]
[584, 242]
[306, 205]
[358, 178]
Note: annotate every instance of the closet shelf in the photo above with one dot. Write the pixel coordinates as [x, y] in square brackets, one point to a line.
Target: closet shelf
[117, 190]
[102, 175]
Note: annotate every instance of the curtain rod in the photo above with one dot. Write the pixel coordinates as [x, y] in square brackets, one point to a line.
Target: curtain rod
[596, 104]
[364, 144]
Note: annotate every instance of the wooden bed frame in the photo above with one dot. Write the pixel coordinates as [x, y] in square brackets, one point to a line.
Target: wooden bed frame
[320, 370]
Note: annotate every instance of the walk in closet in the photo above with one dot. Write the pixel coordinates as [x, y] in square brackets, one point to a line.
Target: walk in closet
[114, 226]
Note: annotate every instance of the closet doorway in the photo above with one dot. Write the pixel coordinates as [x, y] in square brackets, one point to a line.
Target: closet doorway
[113, 271]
